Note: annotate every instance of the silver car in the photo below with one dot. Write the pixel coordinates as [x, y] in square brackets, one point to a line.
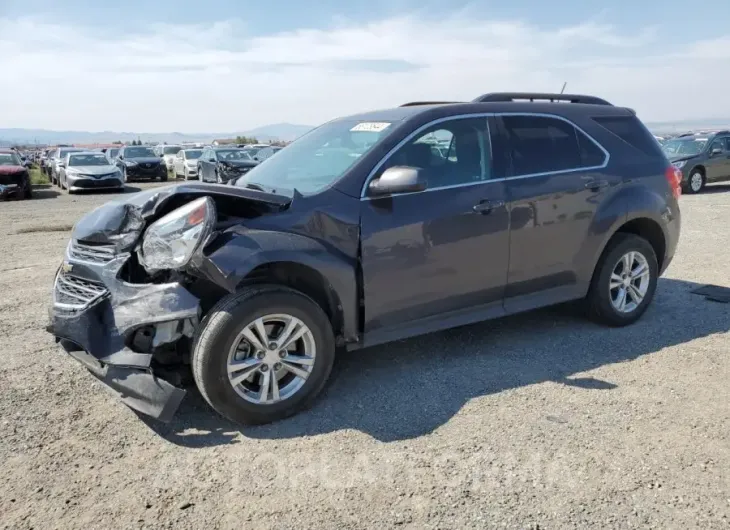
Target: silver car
[58, 157]
[89, 170]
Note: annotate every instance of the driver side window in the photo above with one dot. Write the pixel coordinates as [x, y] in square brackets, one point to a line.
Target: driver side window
[450, 153]
[718, 144]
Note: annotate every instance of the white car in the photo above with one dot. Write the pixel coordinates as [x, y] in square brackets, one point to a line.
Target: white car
[185, 163]
[89, 170]
[168, 153]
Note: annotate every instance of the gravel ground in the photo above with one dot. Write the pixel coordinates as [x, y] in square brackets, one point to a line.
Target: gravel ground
[537, 421]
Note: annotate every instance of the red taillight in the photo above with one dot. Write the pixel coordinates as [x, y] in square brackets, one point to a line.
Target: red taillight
[674, 177]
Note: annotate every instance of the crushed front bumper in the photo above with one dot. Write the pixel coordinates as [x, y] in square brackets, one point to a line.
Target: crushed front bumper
[95, 315]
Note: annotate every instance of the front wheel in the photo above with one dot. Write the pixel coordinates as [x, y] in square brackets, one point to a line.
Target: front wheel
[696, 182]
[624, 281]
[263, 354]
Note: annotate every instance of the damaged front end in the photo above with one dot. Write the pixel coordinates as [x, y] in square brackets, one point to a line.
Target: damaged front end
[123, 302]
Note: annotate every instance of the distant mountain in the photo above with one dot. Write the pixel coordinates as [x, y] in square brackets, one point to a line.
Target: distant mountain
[279, 131]
[688, 125]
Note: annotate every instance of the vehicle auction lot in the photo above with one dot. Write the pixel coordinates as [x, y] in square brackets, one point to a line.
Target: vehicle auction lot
[540, 420]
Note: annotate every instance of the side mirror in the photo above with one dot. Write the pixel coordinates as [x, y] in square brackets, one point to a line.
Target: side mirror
[28, 163]
[398, 179]
[120, 157]
[716, 151]
[62, 164]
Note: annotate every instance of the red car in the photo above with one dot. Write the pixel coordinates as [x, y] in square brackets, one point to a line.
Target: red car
[14, 176]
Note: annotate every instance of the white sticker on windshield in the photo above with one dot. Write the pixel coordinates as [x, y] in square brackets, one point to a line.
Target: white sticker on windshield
[371, 126]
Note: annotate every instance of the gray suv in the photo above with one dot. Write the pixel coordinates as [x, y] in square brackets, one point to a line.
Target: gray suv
[369, 229]
[702, 157]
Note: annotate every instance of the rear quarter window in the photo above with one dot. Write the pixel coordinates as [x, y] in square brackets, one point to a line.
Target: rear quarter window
[631, 131]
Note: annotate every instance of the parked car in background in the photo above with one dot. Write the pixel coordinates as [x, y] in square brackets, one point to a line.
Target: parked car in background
[540, 199]
[44, 162]
[89, 170]
[14, 176]
[168, 154]
[186, 163]
[253, 149]
[701, 157]
[221, 164]
[140, 162]
[58, 156]
[266, 152]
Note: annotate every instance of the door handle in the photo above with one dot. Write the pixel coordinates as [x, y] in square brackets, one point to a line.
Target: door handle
[595, 185]
[484, 207]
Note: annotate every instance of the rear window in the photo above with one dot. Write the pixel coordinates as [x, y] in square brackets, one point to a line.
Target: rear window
[541, 144]
[631, 131]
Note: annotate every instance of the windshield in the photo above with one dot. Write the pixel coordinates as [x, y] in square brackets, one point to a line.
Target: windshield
[64, 152]
[317, 159]
[232, 154]
[171, 150]
[684, 146]
[88, 160]
[138, 152]
[193, 154]
[9, 159]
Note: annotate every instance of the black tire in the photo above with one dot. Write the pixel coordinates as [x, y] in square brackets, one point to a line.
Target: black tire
[220, 328]
[163, 178]
[600, 308]
[699, 176]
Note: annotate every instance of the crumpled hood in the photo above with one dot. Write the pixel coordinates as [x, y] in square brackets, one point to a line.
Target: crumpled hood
[681, 158]
[11, 170]
[239, 163]
[122, 221]
[91, 170]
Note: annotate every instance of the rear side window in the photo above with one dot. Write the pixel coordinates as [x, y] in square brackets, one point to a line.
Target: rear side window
[540, 144]
[630, 130]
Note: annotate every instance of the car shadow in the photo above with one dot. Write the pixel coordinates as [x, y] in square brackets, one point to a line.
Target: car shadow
[716, 188]
[44, 192]
[409, 388]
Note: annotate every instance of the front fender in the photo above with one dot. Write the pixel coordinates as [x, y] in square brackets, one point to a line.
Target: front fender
[231, 256]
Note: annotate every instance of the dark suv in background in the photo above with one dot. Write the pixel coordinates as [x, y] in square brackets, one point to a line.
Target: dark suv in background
[221, 164]
[369, 229]
[140, 162]
[702, 157]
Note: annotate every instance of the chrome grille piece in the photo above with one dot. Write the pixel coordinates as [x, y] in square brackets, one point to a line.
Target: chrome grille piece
[74, 293]
[92, 253]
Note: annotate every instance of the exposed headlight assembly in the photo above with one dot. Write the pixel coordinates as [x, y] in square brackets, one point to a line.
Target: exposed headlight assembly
[170, 242]
[679, 165]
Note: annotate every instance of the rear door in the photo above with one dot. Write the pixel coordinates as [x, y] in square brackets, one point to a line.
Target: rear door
[555, 183]
[440, 251]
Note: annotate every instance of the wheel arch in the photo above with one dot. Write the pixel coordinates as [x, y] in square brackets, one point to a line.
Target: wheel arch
[238, 259]
[303, 278]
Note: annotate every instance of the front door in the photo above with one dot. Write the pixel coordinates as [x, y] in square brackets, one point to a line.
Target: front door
[718, 165]
[441, 251]
[556, 183]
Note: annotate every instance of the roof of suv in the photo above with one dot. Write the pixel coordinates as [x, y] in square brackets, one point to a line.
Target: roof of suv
[501, 102]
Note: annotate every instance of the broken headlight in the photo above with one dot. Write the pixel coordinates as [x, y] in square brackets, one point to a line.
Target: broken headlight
[171, 241]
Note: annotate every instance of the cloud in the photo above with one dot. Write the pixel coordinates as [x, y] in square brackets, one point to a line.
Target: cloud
[217, 77]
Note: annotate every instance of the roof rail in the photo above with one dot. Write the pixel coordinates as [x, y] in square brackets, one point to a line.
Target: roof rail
[418, 103]
[532, 96]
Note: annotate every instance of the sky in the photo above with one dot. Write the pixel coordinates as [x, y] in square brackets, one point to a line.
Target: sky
[233, 65]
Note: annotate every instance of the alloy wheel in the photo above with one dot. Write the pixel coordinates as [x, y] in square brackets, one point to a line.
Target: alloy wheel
[271, 359]
[695, 182]
[629, 282]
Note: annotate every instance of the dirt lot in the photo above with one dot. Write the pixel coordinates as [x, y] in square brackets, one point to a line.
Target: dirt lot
[539, 421]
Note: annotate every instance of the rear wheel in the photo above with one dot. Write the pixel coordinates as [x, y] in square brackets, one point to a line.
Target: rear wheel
[624, 281]
[263, 354]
